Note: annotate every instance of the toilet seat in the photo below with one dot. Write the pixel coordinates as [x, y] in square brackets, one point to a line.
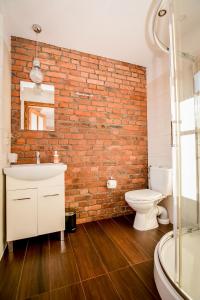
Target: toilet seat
[145, 195]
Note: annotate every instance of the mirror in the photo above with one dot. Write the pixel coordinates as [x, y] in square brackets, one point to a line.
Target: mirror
[37, 106]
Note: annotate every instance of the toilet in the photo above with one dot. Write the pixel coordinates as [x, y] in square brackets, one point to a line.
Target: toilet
[145, 201]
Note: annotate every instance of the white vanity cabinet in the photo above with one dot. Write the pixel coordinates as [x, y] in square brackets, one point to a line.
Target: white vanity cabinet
[34, 207]
[21, 208]
[51, 207]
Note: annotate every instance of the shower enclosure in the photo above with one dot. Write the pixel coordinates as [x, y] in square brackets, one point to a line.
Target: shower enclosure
[177, 256]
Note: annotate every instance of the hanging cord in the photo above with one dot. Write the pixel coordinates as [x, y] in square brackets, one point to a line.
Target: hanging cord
[37, 29]
[36, 48]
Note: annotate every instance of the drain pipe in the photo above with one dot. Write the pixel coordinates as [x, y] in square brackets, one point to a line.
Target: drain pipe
[162, 215]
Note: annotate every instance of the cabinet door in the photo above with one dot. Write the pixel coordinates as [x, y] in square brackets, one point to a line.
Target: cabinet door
[51, 210]
[21, 211]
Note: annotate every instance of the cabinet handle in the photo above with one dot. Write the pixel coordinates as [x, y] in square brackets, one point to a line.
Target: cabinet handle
[53, 195]
[27, 198]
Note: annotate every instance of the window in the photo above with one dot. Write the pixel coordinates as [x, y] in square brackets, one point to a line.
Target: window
[37, 120]
[188, 149]
[38, 116]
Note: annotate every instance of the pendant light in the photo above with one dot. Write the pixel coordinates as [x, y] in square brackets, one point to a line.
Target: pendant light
[36, 74]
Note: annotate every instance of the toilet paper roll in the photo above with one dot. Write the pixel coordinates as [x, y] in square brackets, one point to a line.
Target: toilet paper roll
[111, 184]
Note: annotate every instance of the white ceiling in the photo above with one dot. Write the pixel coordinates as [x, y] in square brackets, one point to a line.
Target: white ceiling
[111, 28]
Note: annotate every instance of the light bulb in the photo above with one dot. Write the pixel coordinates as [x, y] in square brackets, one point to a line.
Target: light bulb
[36, 74]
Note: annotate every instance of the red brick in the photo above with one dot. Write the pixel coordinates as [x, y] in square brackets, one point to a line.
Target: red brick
[100, 134]
[56, 74]
[121, 67]
[51, 50]
[17, 68]
[67, 65]
[94, 81]
[76, 78]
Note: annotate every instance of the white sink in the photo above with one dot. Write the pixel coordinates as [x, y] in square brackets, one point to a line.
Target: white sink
[35, 171]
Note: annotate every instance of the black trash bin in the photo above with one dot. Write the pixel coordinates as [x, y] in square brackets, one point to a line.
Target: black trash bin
[70, 220]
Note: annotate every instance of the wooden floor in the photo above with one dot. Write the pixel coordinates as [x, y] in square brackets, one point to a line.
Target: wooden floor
[102, 260]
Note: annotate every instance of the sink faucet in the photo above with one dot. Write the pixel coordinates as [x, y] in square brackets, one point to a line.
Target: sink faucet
[37, 157]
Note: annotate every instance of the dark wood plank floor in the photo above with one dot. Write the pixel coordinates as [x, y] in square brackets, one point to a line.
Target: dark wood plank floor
[102, 260]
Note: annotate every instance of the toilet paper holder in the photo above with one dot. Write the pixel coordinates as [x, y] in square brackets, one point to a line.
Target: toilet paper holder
[111, 183]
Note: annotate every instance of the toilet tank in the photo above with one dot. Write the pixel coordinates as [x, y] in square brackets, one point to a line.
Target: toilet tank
[161, 180]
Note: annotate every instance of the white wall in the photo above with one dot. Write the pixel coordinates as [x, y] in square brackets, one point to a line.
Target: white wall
[159, 117]
[5, 109]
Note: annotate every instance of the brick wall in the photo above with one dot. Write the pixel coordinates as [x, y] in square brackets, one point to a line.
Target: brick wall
[98, 135]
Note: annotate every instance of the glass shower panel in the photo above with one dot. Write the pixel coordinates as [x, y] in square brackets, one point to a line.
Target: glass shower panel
[186, 78]
[188, 176]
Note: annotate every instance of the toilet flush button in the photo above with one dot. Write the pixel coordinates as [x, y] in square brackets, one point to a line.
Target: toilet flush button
[111, 184]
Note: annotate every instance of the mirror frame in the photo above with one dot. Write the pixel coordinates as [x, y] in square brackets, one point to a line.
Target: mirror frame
[49, 92]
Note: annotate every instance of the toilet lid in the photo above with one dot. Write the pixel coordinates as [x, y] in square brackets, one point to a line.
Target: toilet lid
[143, 195]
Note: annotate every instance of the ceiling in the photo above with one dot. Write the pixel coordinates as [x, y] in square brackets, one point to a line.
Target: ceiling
[118, 29]
[111, 28]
